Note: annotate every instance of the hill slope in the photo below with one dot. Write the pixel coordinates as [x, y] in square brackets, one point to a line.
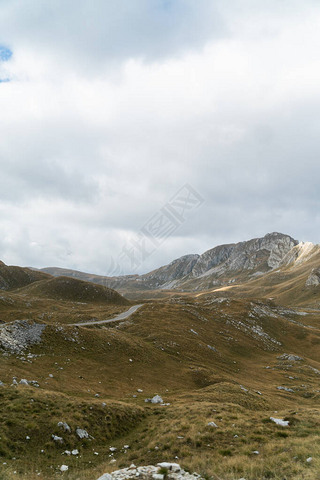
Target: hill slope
[74, 290]
[12, 277]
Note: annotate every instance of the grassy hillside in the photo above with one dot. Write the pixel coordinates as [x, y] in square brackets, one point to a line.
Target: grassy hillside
[211, 359]
[71, 289]
[16, 277]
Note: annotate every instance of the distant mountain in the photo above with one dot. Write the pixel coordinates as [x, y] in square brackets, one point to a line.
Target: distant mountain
[220, 266]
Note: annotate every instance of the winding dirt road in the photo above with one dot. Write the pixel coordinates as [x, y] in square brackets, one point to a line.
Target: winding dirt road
[117, 318]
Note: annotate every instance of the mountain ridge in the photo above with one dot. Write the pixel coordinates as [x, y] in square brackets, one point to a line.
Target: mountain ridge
[219, 265]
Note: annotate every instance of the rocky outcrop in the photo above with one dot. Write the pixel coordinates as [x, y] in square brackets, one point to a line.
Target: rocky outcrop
[314, 278]
[263, 253]
[167, 275]
[161, 471]
[300, 254]
[15, 337]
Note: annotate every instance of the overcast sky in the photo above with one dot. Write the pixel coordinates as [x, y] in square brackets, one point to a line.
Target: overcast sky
[108, 108]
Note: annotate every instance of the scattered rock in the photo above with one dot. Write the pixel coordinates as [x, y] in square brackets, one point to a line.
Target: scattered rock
[16, 336]
[156, 399]
[286, 389]
[278, 421]
[290, 357]
[64, 426]
[64, 468]
[174, 472]
[23, 381]
[212, 424]
[82, 433]
[57, 439]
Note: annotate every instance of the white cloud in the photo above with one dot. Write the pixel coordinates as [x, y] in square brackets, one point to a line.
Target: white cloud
[90, 148]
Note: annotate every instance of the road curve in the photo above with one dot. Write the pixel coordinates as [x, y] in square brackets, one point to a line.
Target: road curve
[117, 318]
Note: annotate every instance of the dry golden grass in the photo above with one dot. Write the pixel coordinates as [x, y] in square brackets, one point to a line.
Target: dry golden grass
[164, 348]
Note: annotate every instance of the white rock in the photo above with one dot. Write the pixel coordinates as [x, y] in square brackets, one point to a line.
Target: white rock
[112, 449]
[172, 467]
[65, 426]
[75, 451]
[309, 459]
[278, 421]
[286, 389]
[57, 439]
[212, 424]
[82, 433]
[106, 476]
[64, 468]
[157, 476]
[156, 399]
[24, 381]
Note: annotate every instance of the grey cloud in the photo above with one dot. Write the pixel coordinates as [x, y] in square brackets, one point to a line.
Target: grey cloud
[102, 31]
[86, 162]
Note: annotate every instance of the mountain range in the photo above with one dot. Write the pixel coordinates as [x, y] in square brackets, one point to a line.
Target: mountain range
[273, 259]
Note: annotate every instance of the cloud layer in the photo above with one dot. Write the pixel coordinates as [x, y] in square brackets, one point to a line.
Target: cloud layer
[111, 108]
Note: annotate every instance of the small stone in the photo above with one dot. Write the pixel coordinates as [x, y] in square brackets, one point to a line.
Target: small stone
[309, 459]
[82, 433]
[212, 424]
[57, 439]
[64, 468]
[65, 426]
